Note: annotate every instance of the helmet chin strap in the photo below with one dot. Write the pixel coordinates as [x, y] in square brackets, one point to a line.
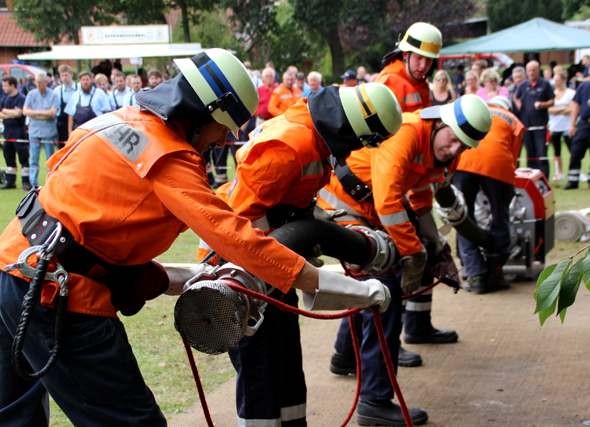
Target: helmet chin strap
[409, 71]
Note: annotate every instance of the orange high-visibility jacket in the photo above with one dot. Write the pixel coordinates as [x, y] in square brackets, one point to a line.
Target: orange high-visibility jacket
[282, 98]
[497, 154]
[126, 192]
[403, 164]
[287, 163]
[410, 94]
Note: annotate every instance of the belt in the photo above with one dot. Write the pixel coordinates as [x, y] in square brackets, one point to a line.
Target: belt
[353, 185]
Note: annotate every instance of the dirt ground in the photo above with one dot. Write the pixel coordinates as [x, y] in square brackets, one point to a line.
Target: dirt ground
[505, 370]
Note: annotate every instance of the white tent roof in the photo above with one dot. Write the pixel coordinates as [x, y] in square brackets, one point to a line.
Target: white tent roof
[114, 51]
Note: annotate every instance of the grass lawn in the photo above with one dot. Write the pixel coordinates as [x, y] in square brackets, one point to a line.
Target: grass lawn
[157, 345]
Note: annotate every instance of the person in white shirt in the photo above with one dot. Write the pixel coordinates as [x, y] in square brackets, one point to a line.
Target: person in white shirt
[87, 103]
[64, 92]
[559, 119]
[135, 84]
[117, 96]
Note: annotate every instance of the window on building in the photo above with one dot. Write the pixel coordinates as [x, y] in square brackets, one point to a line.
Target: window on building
[3, 4]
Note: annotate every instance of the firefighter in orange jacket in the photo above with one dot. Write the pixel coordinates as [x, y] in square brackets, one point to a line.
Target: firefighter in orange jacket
[405, 73]
[279, 172]
[490, 167]
[118, 195]
[284, 96]
[371, 190]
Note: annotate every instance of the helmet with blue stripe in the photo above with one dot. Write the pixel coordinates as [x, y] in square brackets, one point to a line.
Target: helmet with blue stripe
[469, 117]
[223, 84]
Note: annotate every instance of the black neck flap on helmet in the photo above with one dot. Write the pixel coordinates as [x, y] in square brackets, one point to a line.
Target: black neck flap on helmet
[331, 123]
[175, 99]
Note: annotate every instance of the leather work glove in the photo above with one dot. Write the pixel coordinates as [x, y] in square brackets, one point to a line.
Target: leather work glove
[413, 268]
[442, 266]
[338, 292]
[324, 215]
[429, 232]
[314, 259]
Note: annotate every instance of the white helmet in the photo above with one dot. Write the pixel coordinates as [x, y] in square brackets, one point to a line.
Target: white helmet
[423, 39]
[373, 112]
[223, 84]
[500, 101]
[469, 117]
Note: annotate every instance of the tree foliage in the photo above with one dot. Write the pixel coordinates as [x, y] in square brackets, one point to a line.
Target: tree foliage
[558, 285]
[507, 13]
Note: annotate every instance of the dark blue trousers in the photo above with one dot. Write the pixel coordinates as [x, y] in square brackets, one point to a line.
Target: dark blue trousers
[500, 195]
[96, 380]
[580, 144]
[271, 382]
[375, 382]
[535, 142]
[14, 149]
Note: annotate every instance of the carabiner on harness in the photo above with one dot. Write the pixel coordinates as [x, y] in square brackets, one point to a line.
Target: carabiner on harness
[39, 274]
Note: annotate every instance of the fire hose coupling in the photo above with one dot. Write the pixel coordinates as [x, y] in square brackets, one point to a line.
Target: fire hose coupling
[210, 316]
[383, 251]
[456, 213]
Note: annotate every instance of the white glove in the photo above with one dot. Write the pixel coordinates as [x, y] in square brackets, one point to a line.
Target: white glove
[430, 233]
[324, 215]
[338, 292]
[413, 269]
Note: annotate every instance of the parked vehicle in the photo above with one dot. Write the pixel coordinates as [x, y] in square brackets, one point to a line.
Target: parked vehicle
[19, 70]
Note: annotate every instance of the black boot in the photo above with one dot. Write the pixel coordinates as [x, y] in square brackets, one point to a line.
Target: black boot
[571, 185]
[341, 365]
[495, 278]
[26, 184]
[434, 336]
[387, 413]
[477, 285]
[8, 185]
[407, 358]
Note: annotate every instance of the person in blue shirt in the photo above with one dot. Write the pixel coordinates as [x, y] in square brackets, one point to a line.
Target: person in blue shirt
[579, 132]
[315, 83]
[117, 96]
[135, 83]
[11, 113]
[87, 103]
[65, 92]
[42, 107]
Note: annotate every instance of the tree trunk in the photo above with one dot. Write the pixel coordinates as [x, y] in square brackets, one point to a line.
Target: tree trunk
[185, 26]
[336, 50]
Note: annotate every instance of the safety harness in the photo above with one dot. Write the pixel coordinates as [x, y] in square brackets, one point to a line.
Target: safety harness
[353, 185]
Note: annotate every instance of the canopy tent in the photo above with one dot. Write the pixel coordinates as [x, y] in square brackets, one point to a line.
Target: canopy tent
[535, 35]
[114, 51]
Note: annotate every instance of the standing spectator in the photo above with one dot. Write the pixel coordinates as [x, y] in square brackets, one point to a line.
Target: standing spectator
[102, 82]
[264, 94]
[284, 96]
[86, 104]
[349, 79]
[271, 65]
[361, 75]
[42, 107]
[154, 78]
[533, 97]
[117, 65]
[518, 76]
[491, 79]
[300, 82]
[471, 83]
[102, 68]
[548, 75]
[50, 82]
[65, 92]
[28, 86]
[135, 84]
[117, 96]
[459, 80]
[559, 120]
[442, 90]
[257, 82]
[11, 113]
[580, 108]
[315, 83]
[478, 66]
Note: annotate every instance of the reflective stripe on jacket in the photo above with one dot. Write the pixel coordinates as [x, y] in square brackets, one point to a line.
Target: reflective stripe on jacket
[497, 154]
[126, 192]
[410, 94]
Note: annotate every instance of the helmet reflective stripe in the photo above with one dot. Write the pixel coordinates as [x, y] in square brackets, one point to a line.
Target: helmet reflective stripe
[370, 113]
[220, 85]
[465, 126]
[425, 46]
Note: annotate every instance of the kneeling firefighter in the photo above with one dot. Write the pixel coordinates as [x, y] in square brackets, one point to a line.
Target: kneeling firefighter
[120, 192]
[371, 189]
[279, 171]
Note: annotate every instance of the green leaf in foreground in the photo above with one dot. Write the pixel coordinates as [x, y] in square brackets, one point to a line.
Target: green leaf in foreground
[543, 276]
[548, 290]
[586, 267]
[569, 287]
[547, 312]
